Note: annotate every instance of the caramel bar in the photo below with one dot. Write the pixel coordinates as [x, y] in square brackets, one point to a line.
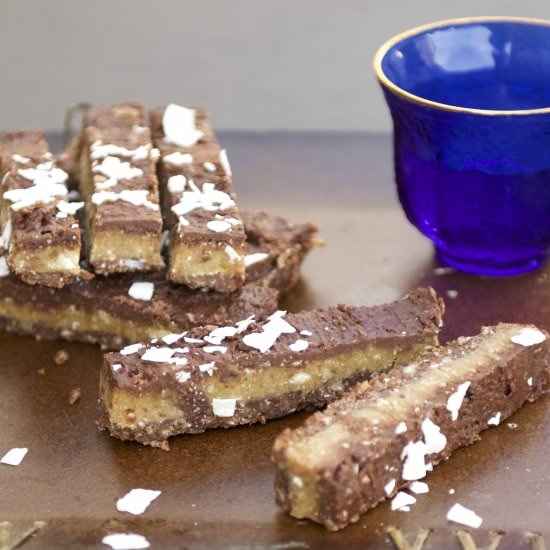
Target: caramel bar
[119, 184]
[225, 376]
[39, 230]
[206, 231]
[388, 432]
[130, 307]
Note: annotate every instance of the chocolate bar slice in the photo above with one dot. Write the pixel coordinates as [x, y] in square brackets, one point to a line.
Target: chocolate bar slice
[39, 230]
[207, 239]
[130, 307]
[119, 184]
[389, 431]
[225, 376]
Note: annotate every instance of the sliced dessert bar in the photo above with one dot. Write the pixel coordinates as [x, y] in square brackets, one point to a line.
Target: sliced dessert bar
[39, 230]
[224, 376]
[119, 184]
[206, 231]
[130, 307]
[388, 432]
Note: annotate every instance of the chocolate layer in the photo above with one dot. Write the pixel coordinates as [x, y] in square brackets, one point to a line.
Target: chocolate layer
[225, 376]
[113, 317]
[387, 432]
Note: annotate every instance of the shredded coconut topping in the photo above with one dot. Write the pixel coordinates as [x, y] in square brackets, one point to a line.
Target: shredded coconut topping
[178, 159]
[528, 337]
[208, 368]
[136, 501]
[494, 420]
[464, 516]
[389, 487]
[414, 466]
[98, 150]
[141, 291]
[434, 439]
[401, 428]
[419, 487]
[6, 235]
[251, 259]
[20, 159]
[176, 184]
[224, 407]
[131, 349]
[116, 169]
[271, 331]
[14, 456]
[209, 198]
[68, 208]
[173, 338]
[218, 226]
[402, 501]
[209, 166]
[179, 126]
[455, 400]
[126, 541]
[299, 345]
[224, 161]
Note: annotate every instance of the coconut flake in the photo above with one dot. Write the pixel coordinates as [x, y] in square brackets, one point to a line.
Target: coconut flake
[434, 439]
[208, 368]
[528, 337]
[4, 269]
[455, 400]
[176, 184]
[402, 501]
[414, 466]
[419, 487]
[218, 335]
[271, 331]
[131, 349]
[172, 338]
[179, 126]
[530, 381]
[20, 159]
[136, 501]
[299, 345]
[251, 259]
[115, 169]
[209, 166]
[158, 355]
[389, 487]
[224, 407]
[494, 420]
[115, 367]
[182, 376]
[141, 291]
[218, 226]
[401, 428]
[125, 541]
[224, 161]
[44, 192]
[244, 324]
[14, 456]
[208, 198]
[67, 208]
[460, 514]
[178, 159]
[232, 253]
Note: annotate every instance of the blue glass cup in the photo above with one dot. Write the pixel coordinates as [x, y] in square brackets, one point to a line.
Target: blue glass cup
[470, 102]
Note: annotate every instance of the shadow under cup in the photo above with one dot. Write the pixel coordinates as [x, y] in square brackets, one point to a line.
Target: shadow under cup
[470, 102]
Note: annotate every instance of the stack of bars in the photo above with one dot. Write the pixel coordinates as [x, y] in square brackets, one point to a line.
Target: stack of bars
[134, 232]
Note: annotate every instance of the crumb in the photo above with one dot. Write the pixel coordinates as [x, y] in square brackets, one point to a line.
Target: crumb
[60, 357]
[512, 425]
[74, 396]
[41, 371]
[165, 446]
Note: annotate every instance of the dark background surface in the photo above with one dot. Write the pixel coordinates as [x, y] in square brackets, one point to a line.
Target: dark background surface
[217, 488]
